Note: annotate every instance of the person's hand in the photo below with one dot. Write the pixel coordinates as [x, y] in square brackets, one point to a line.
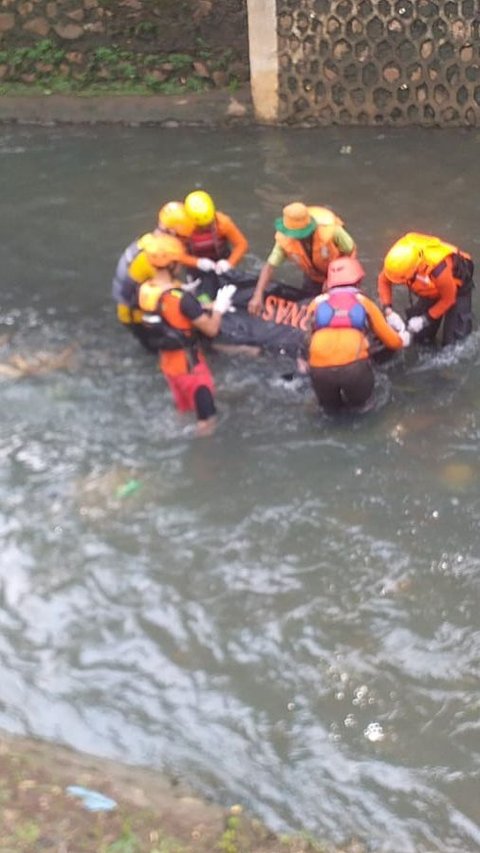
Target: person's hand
[416, 324]
[223, 266]
[206, 265]
[406, 337]
[255, 305]
[223, 299]
[395, 321]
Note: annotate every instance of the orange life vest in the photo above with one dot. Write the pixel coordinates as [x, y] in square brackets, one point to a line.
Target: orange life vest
[324, 249]
[175, 331]
[434, 251]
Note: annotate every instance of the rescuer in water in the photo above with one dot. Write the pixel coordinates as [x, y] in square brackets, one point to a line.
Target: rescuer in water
[179, 318]
[134, 267]
[341, 318]
[310, 237]
[216, 241]
[440, 276]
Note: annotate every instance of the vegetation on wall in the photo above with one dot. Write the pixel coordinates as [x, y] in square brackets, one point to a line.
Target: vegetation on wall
[113, 67]
[156, 46]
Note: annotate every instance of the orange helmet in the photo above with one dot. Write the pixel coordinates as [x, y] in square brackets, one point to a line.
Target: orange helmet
[401, 262]
[343, 272]
[162, 250]
[296, 221]
[200, 207]
[173, 217]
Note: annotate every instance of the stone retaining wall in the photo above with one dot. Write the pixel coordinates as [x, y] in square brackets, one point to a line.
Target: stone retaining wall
[196, 43]
[21, 19]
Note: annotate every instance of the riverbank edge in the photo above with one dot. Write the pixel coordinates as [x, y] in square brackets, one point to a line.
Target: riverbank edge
[153, 814]
[219, 108]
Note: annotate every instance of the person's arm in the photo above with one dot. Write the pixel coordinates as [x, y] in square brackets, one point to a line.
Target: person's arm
[237, 240]
[384, 290]
[274, 260]
[343, 241]
[255, 304]
[379, 325]
[203, 264]
[208, 322]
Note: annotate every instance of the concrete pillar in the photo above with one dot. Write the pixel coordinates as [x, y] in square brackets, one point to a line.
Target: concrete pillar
[262, 37]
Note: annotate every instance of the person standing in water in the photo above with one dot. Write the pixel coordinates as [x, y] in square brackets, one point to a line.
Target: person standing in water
[310, 237]
[215, 240]
[440, 276]
[134, 267]
[181, 317]
[339, 360]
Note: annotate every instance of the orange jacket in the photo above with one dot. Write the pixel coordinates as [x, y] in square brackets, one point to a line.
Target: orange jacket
[333, 347]
[435, 277]
[324, 249]
[153, 298]
[221, 235]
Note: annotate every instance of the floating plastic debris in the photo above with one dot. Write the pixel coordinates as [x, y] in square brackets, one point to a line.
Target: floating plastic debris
[128, 488]
[94, 801]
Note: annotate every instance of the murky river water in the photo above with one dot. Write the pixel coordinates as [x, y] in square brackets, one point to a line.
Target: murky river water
[286, 614]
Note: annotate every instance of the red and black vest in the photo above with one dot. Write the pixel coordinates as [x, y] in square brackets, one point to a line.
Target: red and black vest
[208, 243]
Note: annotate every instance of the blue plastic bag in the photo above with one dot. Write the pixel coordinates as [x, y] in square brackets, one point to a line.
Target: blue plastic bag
[92, 800]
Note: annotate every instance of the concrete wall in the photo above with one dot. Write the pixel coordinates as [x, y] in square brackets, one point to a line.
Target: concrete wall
[264, 68]
[377, 61]
[312, 61]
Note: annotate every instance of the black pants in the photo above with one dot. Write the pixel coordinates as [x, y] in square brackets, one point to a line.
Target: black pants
[147, 336]
[347, 386]
[457, 321]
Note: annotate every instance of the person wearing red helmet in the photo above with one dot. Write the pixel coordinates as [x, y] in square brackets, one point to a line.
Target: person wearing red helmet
[340, 319]
[179, 318]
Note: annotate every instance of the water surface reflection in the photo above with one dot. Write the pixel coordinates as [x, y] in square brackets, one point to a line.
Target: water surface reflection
[285, 614]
